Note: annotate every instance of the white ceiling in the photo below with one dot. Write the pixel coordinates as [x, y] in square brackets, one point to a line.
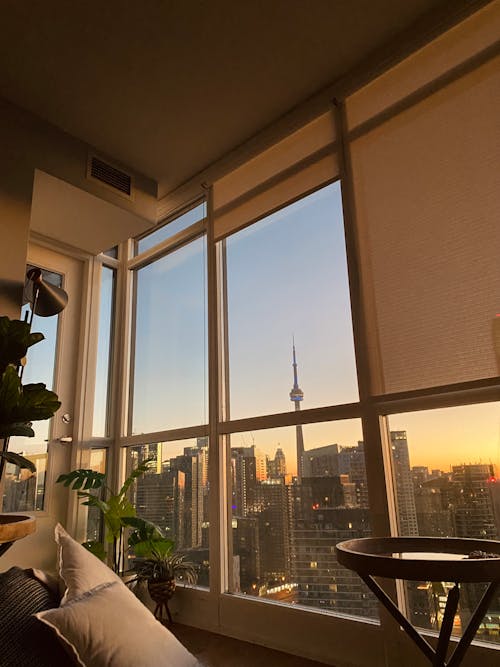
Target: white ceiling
[167, 87]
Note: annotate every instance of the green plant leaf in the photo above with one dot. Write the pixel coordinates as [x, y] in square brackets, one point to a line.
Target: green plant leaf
[94, 501]
[88, 479]
[137, 472]
[19, 405]
[144, 530]
[22, 429]
[15, 339]
[18, 460]
[36, 402]
[10, 393]
[96, 548]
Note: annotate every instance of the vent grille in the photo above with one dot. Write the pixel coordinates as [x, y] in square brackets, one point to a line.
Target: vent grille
[114, 178]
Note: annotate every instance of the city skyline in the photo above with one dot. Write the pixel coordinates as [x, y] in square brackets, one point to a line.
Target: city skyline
[284, 528]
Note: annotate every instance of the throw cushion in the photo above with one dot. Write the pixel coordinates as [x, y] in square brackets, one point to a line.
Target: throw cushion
[79, 569]
[109, 627]
[23, 640]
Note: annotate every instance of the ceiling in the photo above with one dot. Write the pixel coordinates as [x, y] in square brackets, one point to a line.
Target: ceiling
[168, 87]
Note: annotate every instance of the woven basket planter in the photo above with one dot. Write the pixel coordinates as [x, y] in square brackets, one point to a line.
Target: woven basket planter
[161, 592]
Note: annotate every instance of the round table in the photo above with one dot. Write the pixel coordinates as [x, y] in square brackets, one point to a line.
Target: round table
[14, 527]
[453, 559]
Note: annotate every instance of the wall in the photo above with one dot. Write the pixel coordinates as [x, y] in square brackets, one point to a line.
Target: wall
[28, 143]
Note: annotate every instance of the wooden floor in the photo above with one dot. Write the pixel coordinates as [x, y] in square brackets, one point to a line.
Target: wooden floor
[217, 651]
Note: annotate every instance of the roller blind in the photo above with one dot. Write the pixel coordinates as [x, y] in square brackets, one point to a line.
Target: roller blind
[298, 164]
[426, 188]
[466, 40]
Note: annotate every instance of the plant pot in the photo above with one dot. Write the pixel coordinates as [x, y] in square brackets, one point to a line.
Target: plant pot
[14, 527]
[161, 590]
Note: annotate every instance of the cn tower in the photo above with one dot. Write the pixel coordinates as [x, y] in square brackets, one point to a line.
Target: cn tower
[296, 396]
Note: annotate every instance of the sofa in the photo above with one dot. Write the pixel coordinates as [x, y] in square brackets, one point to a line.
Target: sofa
[86, 617]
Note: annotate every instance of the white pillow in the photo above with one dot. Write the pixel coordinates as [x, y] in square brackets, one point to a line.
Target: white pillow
[109, 627]
[79, 569]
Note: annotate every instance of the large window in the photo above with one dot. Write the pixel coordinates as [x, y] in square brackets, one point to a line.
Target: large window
[445, 466]
[336, 349]
[23, 490]
[295, 493]
[174, 493]
[170, 342]
[287, 281]
[101, 426]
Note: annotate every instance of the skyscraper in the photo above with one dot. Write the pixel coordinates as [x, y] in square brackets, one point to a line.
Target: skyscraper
[405, 496]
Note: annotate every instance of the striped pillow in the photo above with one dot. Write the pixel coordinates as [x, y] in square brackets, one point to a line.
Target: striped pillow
[24, 641]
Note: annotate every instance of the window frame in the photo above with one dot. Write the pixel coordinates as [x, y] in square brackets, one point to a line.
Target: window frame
[270, 622]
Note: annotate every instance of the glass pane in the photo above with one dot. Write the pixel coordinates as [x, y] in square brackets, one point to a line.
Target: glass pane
[112, 252]
[170, 366]
[95, 528]
[285, 524]
[23, 491]
[104, 349]
[287, 281]
[447, 483]
[174, 495]
[176, 225]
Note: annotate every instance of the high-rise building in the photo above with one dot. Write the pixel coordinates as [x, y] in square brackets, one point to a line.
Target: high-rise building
[276, 468]
[321, 461]
[243, 479]
[474, 504]
[174, 494]
[272, 508]
[351, 461]
[246, 554]
[403, 483]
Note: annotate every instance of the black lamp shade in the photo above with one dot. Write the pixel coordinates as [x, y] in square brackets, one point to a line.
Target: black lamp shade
[47, 299]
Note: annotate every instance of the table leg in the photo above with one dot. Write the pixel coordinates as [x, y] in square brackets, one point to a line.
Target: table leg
[4, 546]
[446, 627]
[473, 625]
[393, 609]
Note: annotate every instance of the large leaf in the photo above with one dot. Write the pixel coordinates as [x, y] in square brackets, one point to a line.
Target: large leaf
[144, 530]
[96, 548]
[94, 501]
[137, 472]
[88, 479]
[18, 460]
[37, 402]
[23, 429]
[15, 339]
[154, 549]
[19, 405]
[10, 393]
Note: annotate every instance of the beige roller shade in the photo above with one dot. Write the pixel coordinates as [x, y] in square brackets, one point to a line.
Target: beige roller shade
[427, 196]
[298, 164]
[466, 40]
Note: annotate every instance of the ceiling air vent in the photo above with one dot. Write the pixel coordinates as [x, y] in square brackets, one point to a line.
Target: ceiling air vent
[114, 178]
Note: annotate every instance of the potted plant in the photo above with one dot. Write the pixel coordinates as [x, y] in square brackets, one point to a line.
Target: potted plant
[20, 405]
[116, 509]
[158, 564]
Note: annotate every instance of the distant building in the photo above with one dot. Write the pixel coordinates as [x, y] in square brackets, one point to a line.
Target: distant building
[276, 468]
[405, 498]
[321, 461]
[474, 502]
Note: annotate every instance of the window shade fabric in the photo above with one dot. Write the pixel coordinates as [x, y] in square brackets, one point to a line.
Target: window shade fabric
[451, 49]
[298, 164]
[426, 188]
